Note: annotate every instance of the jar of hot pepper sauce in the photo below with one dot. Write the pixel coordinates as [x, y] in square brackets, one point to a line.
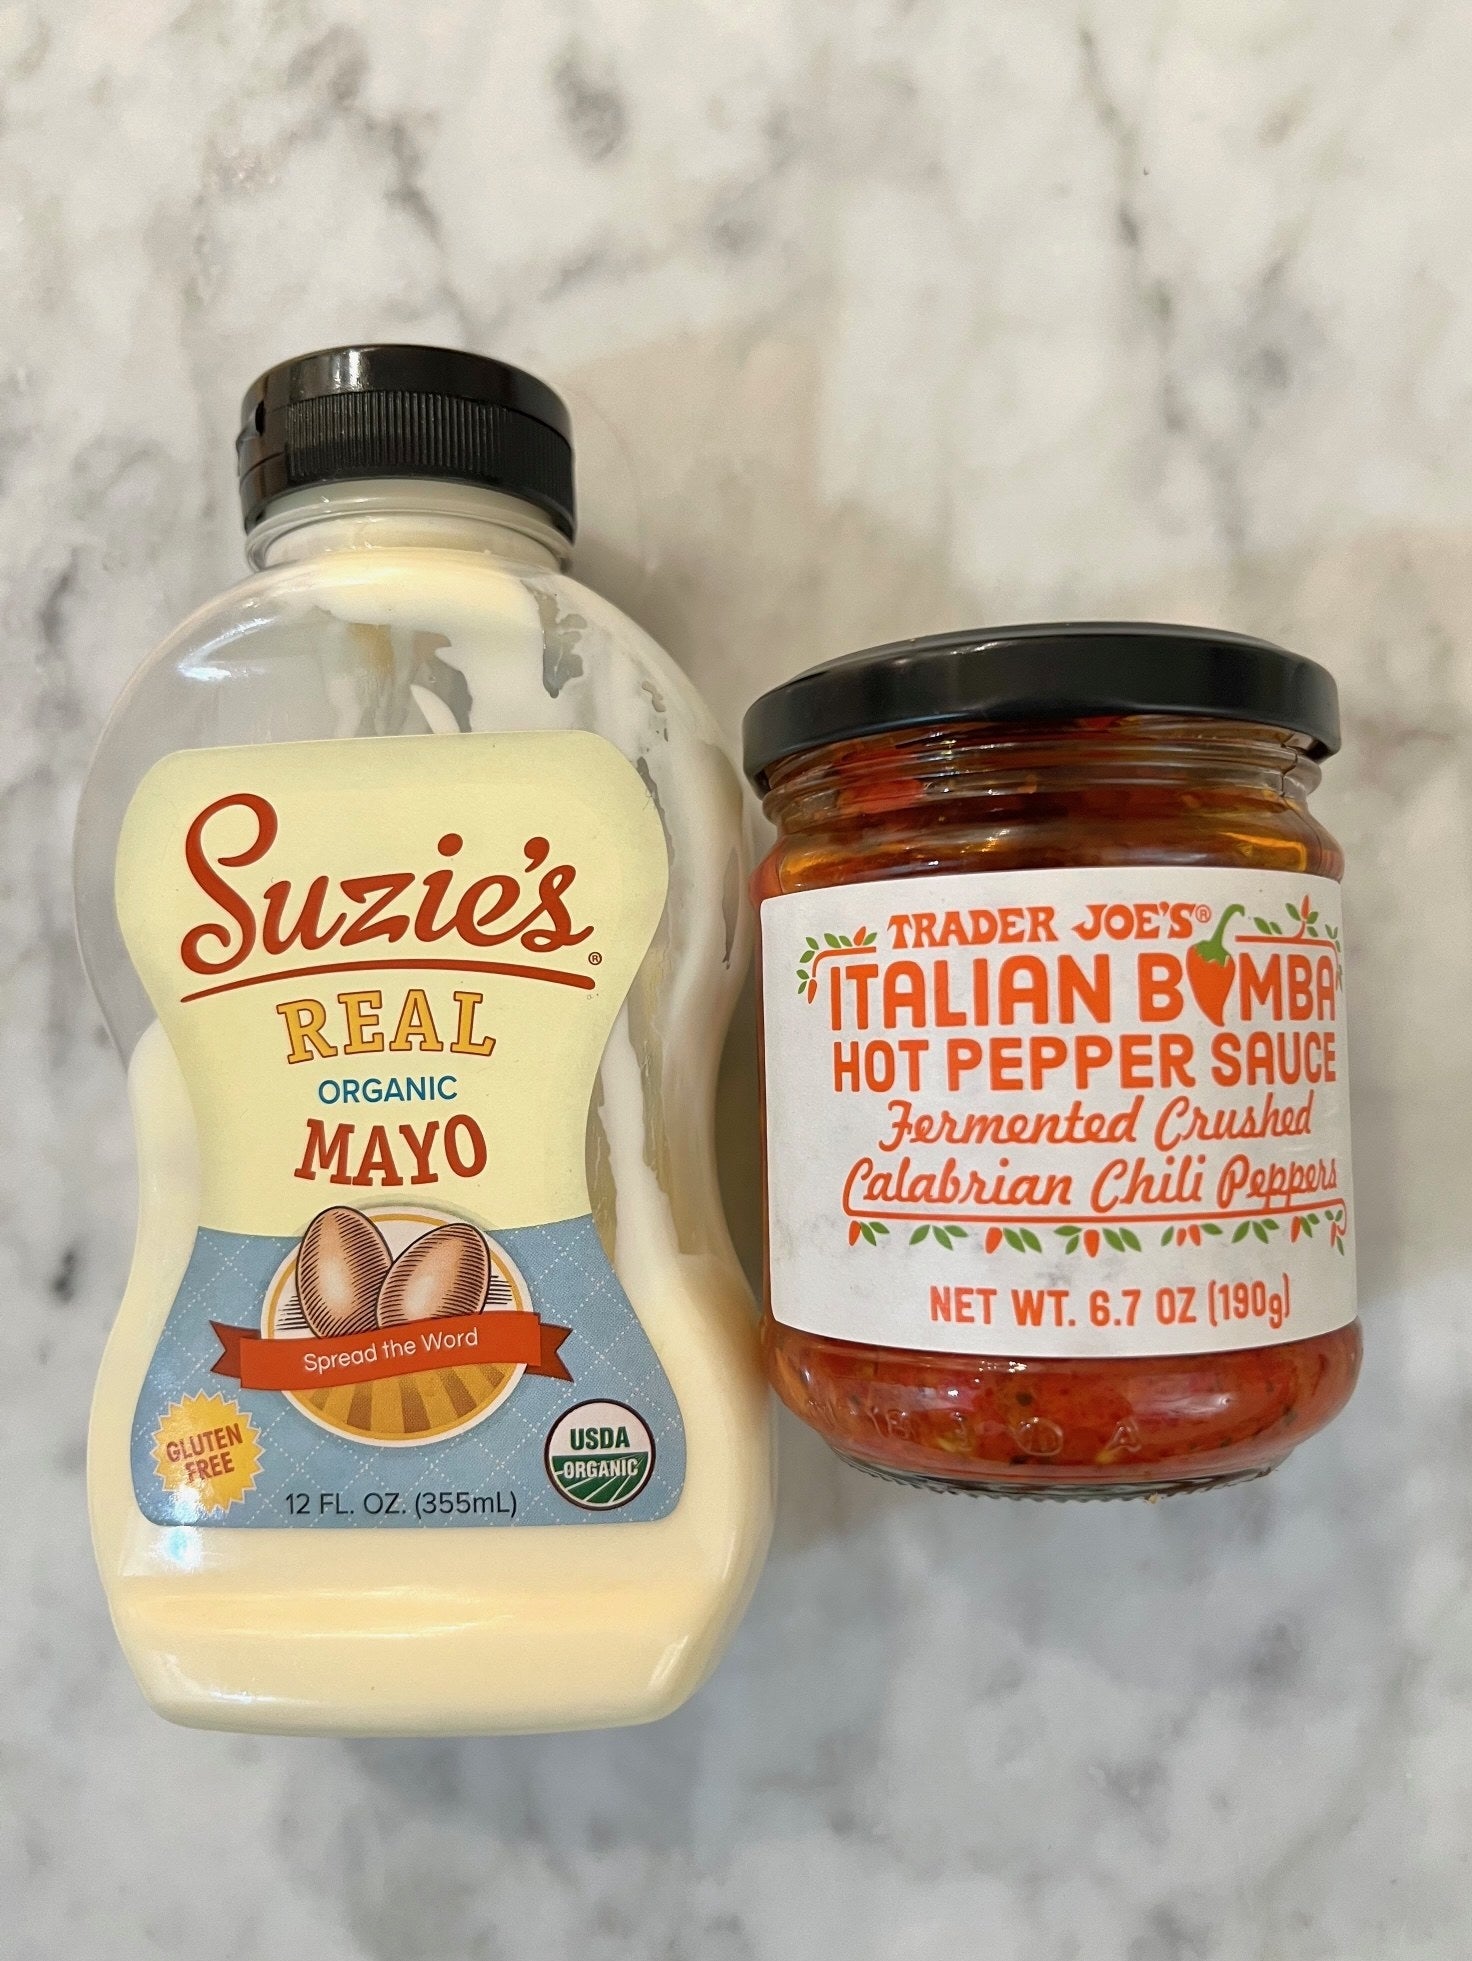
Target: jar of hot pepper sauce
[1054, 1067]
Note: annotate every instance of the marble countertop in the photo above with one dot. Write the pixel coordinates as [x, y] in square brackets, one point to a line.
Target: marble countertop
[875, 319]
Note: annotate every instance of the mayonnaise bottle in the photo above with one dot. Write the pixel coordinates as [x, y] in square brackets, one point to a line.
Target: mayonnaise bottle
[410, 879]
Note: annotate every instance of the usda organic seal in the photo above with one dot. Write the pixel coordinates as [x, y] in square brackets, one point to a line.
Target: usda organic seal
[600, 1455]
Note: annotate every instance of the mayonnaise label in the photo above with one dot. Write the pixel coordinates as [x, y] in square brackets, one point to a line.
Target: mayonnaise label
[389, 970]
[1050, 1113]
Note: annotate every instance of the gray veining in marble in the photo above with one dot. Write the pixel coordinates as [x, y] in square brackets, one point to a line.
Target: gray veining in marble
[875, 318]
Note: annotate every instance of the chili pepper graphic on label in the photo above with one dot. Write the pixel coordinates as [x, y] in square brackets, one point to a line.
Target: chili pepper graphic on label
[1210, 967]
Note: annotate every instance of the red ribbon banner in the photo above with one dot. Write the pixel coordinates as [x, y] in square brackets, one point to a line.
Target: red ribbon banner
[258, 1361]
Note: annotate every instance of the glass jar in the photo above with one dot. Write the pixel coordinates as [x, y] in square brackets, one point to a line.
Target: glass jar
[1056, 1109]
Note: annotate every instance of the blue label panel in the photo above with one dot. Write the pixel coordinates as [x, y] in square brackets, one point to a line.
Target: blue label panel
[583, 1429]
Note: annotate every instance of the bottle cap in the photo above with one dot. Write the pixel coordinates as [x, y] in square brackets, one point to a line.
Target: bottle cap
[1044, 673]
[401, 411]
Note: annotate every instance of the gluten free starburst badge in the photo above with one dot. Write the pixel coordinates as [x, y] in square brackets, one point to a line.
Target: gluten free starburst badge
[207, 1450]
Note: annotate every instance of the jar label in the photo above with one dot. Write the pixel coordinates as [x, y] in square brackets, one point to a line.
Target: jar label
[1096, 1112]
[387, 971]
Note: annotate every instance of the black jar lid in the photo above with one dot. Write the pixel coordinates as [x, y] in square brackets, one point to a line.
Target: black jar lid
[1043, 673]
[394, 410]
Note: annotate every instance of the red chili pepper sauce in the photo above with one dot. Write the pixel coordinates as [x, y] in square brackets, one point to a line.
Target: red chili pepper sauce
[1029, 785]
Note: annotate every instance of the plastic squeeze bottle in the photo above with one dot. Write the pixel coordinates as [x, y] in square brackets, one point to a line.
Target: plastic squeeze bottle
[410, 880]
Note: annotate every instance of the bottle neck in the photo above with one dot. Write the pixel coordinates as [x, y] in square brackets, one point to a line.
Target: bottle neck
[394, 513]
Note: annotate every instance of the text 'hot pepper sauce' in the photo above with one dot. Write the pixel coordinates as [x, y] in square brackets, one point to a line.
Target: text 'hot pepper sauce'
[1054, 1063]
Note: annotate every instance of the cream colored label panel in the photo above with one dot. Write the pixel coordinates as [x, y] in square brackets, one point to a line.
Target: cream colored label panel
[1079, 1112]
[389, 969]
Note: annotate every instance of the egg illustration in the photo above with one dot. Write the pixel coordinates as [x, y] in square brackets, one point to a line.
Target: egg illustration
[446, 1271]
[340, 1268]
